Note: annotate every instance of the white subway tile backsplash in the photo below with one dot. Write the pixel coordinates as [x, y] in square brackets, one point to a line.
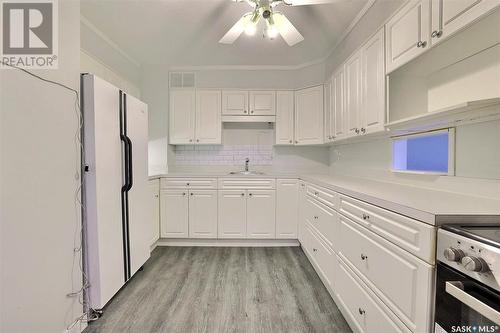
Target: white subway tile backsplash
[223, 155]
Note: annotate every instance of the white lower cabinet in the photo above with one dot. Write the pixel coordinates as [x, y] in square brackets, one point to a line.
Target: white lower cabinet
[174, 214]
[322, 255]
[361, 306]
[188, 213]
[302, 210]
[401, 280]
[287, 211]
[154, 188]
[261, 220]
[203, 214]
[247, 214]
[232, 214]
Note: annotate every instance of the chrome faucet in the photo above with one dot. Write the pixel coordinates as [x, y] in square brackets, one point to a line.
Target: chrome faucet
[247, 160]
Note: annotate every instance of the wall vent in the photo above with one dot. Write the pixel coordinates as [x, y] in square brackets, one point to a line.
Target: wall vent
[182, 80]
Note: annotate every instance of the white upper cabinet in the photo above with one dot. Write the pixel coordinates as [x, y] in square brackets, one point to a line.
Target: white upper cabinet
[284, 118]
[353, 93]
[309, 116]
[208, 117]
[262, 103]
[235, 102]
[408, 33]
[182, 116]
[449, 16]
[337, 117]
[373, 85]
[327, 95]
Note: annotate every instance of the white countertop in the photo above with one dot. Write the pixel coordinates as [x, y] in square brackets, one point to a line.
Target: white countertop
[427, 205]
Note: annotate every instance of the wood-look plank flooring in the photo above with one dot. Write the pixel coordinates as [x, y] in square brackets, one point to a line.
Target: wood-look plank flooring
[230, 289]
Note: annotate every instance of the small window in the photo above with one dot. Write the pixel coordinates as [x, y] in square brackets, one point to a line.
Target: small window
[430, 153]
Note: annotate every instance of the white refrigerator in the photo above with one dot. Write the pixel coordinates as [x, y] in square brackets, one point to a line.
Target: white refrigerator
[116, 204]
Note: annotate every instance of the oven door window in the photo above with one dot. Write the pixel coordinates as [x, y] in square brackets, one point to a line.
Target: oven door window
[463, 305]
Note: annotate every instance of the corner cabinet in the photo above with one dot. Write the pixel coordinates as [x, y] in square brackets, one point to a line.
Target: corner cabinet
[284, 128]
[195, 117]
[309, 116]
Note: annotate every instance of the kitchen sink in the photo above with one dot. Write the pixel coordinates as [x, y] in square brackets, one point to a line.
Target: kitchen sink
[246, 173]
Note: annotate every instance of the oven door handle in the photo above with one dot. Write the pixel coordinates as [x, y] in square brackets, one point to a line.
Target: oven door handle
[454, 289]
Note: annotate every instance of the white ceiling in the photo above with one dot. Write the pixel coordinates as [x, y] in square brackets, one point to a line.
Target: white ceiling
[186, 32]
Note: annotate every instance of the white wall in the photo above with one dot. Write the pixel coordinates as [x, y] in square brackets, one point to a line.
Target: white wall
[102, 57]
[37, 180]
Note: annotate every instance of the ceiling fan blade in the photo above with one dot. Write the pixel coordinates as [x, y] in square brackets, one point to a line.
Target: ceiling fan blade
[286, 29]
[235, 31]
[308, 2]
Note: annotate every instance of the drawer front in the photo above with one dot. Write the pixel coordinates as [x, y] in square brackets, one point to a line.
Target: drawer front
[187, 183]
[401, 280]
[323, 195]
[247, 183]
[324, 220]
[323, 257]
[414, 236]
[364, 308]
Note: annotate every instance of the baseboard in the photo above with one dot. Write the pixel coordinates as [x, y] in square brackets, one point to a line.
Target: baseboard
[227, 242]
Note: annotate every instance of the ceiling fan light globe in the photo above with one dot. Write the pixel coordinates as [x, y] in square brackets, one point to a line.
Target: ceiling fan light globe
[272, 32]
[250, 29]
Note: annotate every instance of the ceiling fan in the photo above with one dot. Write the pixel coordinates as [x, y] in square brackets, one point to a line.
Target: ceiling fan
[276, 22]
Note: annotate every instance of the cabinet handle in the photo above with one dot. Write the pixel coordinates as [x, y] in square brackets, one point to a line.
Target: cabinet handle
[363, 130]
[156, 195]
[296, 141]
[197, 140]
[184, 193]
[251, 111]
[242, 194]
[315, 250]
[315, 217]
[191, 193]
[291, 141]
[366, 216]
[190, 140]
[187, 184]
[422, 44]
[437, 33]
[316, 193]
[363, 257]
[356, 130]
[249, 194]
[245, 111]
[361, 311]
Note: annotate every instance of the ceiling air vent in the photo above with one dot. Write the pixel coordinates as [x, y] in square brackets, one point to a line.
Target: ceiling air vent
[182, 80]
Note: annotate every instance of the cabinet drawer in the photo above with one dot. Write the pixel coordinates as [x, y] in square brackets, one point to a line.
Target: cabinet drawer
[247, 183]
[401, 280]
[187, 183]
[322, 255]
[365, 309]
[324, 220]
[323, 195]
[412, 235]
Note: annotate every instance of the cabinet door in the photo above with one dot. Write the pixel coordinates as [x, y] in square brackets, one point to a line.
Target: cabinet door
[262, 103]
[232, 221]
[203, 214]
[235, 102]
[338, 104]
[353, 93]
[373, 86]
[287, 208]
[302, 211]
[182, 116]
[208, 117]
[328, 109]
[407, 33]
[309, 116]
[174, 214]
[261, 214]
[154, 195]
[449, 16]
[284, 118]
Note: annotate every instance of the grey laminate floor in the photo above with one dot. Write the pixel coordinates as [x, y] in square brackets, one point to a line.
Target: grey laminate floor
[197, 289]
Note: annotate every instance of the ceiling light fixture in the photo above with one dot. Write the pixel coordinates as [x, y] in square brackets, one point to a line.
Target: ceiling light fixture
[251, 25]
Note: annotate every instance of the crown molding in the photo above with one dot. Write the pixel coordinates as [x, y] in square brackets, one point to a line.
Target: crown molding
[109, 41]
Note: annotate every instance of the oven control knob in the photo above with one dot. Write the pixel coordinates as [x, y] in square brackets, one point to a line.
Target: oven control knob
[453, 254]
[474, 264]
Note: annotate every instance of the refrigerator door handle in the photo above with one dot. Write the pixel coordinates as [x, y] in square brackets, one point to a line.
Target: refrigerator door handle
[129, 160]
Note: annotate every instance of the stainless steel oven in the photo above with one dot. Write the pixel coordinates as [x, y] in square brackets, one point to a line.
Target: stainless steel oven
[468, 279]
